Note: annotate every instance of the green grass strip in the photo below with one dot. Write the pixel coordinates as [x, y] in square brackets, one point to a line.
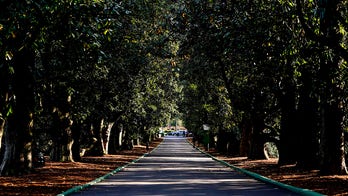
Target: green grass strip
[84, 186]
[304, 192]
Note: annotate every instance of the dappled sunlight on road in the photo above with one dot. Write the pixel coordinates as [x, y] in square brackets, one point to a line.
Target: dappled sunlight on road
[176, 168]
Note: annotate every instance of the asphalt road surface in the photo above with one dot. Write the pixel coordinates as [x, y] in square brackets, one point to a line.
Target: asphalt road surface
[176, 168]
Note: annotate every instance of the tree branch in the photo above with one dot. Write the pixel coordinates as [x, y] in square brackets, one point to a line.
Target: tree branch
[319, 38]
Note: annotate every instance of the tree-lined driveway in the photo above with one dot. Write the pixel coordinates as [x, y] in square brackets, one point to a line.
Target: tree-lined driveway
[176, 168]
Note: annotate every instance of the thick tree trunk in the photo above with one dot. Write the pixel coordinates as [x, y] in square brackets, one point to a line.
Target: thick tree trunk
[17, 157]
[288, 142]
[62, 137]
[332, 138]
[8, 157]
[67, 145]
[75, 148]
[112, 139]
[331, 103]
[107, 137]
[222, 141]
[257, 140]
[4, 98]
[233, 144]
[127, 141]
[246, 128]
[307, 118]
[332, 141]
[56, 154]
[116, 138]
[227, 143]
[332, 113]
[97, 137]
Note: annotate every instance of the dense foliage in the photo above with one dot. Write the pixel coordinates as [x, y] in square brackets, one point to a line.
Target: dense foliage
[267, 71]
[81, 77]
[90, 77]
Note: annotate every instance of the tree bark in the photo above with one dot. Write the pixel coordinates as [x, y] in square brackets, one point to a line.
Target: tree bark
[308, 118]
[233, 144]
[332, 113]
[75, 148]
[127, 141]
[257, 140]
[331, 105]
[332, 141]
[62, 137]
[222, 141]
[67, 145]
[17, 157]
[116, 138]
[8, 157]
[246, 128]
[56, 154]
[97, 137]
[2, 127]
[287, 145]
[107, 138]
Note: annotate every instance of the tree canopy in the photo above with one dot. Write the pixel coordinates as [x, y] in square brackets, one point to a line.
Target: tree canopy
[90, 77]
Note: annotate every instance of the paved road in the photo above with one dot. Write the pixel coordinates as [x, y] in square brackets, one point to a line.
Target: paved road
[176, 168]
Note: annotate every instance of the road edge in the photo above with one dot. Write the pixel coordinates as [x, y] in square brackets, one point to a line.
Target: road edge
[301, 191]
[84, 186]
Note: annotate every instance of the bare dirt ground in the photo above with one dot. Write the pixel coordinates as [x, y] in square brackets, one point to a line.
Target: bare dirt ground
[57, 177]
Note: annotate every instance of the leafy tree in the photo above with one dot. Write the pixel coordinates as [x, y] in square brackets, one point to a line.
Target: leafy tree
[81, 63]
[18, 29]
[328, 28]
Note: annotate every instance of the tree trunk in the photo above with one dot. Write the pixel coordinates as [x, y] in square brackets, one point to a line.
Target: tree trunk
[2, 127]
[103, 135]
[97, 134]
[257, 140]
[222, 141]
[307, 118]
[56, 154]
[116, 138]
[67, 145]
[127, 141]
[107, 138]
[332, 141]
[4, 99]
[331, 103]
[233, 144]
[120, 136]
[62, 137]
[112, 147]
[227, 143]
[288, 142]
[75, 148]
[8, 157]
[246, 128]
[332, 113]
[17, 158]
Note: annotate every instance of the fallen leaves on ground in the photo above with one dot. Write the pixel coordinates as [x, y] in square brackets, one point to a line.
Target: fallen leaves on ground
[291, 175]
[57, 177]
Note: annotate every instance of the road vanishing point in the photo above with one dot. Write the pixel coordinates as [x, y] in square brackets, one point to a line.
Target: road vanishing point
[175, 167]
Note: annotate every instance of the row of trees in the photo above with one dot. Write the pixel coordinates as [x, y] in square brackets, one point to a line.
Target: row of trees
[81, 77]
[90, 76]
[267, 71]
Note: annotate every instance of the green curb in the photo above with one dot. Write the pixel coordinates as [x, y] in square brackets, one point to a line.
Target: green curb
[305, 192]
[81, 187]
